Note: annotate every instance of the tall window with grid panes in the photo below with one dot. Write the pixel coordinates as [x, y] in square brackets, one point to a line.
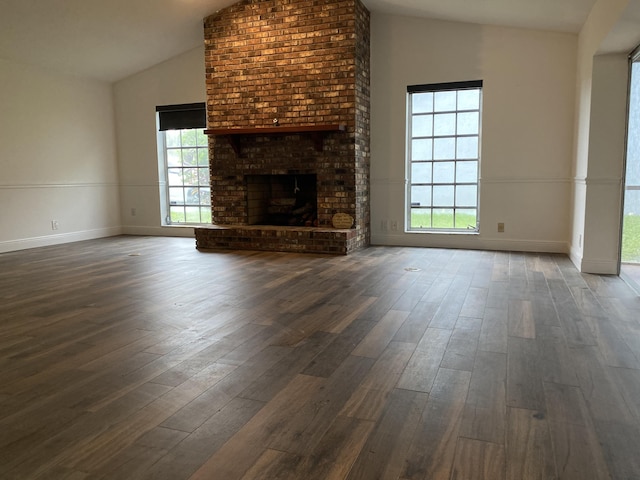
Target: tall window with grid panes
[443, 156]
[184, 164]
[188, 190]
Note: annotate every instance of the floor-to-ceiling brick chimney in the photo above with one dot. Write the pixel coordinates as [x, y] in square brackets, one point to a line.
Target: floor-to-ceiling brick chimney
[288, 94]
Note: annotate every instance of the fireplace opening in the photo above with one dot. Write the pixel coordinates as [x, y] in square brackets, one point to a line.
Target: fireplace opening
[285, 200]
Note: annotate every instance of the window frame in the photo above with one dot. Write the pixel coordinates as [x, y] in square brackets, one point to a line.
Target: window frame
[166, 214]
[183, 118]
[432, 161]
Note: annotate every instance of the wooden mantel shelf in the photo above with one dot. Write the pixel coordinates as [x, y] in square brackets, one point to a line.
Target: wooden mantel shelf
[317, 132]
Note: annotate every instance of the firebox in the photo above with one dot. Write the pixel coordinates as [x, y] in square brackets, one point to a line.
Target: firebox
[289, 200]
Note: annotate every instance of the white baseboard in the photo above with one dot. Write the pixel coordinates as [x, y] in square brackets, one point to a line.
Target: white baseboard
[57, 239]
[576, 257]
[471, 242]
[597, 266]
[172, 231]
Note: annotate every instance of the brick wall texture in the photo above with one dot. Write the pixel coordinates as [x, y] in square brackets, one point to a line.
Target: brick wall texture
[304, 62]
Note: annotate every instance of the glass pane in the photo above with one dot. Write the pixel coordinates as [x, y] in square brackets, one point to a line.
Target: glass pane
[444, 101]
[420, 218]
[467, 147]
[633, 140]
[442, 218]
[203, 176]
[631, 227]
[189, 157]
[192, 214]
[444, 172]
[203, 157]
[444, 148]
[421, 172]
[422, 102]
[444, 124]
[173, 158]
[466, 195]
[632, 203]
[468, 123]
[631, 230]
[421, 149]
[176, 196]
[205, 215]
[174, 176]
[188, 138]
[466, 218]
[633, 158]
[630, 251]
[420, 196]
[422, 126]
[190, 176]
[201, 139]
[467, 172]
[172, 138]
[192, 196]
[443, 195]
[205, 196]
[176, 214]
[469, 99]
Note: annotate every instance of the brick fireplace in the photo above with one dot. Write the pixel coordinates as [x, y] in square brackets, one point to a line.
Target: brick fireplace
[288, 117]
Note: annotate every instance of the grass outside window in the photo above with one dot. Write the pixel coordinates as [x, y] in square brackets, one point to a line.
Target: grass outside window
[438, 219]
[631, 239]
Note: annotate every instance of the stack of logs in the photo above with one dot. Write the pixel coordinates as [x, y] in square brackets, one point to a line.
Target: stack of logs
[287, 211]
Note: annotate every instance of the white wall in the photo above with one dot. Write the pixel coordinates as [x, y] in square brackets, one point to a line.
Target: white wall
[606, 164]
[57, 158]
[601, 90]
[178, 80]
[527, 129]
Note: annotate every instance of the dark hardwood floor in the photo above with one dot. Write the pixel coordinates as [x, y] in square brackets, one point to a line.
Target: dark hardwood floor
[630, 273]
[142, 358]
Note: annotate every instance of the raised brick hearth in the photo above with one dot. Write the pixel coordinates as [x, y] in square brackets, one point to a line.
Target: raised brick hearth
[301, 64]
[278, 239]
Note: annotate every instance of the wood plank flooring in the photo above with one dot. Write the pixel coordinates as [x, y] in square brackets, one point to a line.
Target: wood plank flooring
[142, 358]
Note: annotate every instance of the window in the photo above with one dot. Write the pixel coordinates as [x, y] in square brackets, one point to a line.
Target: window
[443, 156]
[184, 164]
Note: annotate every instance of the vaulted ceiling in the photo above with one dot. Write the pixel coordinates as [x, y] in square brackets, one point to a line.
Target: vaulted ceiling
[112, 39]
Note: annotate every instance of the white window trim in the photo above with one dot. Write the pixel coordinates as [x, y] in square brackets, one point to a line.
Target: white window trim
[454, 86]
[163, 183]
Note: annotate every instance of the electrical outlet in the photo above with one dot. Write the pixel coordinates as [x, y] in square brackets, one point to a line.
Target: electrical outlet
[384, 225]
[394, 225]
[54, 224]
[501, 227]
[133, 211]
